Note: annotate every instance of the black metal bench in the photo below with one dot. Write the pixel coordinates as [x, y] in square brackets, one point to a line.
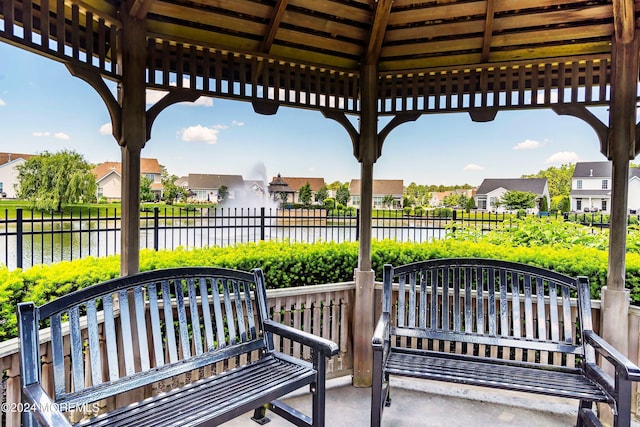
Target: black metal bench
[500, 325]
[166, 326]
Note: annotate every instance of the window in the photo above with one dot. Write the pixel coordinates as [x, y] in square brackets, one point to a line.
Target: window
[605, 184]
[151, 176]
[579, 184]
[355, 200]
[604, 205]
[578, 204]
[493, 201]
[100, 192]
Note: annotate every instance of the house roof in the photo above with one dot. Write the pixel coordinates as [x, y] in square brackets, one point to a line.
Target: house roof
[599, 170]
[295, 183]
[590, 193]
[530, 185]
[199, 181]
[8, 157]
[380, 187]
[147, 166]
[592, 169]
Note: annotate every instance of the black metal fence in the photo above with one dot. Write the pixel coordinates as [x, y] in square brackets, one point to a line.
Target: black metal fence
[32, 237]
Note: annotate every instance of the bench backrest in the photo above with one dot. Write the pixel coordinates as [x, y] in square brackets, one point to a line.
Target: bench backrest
[135, 330]
[489, 308]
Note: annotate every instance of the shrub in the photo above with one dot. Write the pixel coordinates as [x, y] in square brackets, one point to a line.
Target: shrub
[287, 264]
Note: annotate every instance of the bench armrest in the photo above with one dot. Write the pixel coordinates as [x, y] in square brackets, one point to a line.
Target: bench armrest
[325, 346]
[621, 363]
[381, 332]
[42, 407]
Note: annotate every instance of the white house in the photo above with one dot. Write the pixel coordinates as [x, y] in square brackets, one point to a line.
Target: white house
[591, 186]
[9, 178]
[9, 174]
[109, 178]
[492, 190]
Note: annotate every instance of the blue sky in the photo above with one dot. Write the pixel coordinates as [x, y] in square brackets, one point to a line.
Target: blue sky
[44, 108]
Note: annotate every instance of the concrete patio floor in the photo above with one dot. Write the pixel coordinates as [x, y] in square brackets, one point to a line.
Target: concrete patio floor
[427, 404]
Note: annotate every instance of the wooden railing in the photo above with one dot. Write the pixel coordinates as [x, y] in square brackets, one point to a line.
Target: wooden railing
[324, 310]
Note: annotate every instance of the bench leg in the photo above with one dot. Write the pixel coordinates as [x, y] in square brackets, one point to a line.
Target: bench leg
[586, 416]
[379, 390]
[260, 415]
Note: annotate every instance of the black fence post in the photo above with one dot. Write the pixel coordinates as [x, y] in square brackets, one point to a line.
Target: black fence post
[156, 228]
[357, 224]
[262, 220]
[19, 237]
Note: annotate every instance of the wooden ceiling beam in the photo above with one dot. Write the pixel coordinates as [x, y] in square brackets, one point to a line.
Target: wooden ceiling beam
[140, 8]
[274, 25]
[488, 32]
[378, 29]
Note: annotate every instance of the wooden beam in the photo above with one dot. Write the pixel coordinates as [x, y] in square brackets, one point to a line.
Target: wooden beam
[274, 25]
[488, 32]
[140, 8]
[378, 29]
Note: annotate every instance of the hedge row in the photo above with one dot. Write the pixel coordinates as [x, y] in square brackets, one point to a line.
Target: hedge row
[295, 264]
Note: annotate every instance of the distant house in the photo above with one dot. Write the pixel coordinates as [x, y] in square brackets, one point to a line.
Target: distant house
[291, 187]
[491, 190]
[591, 187]
[381, 189]
[437, 197]
[206, 187]
[109, 178]
[9, 173]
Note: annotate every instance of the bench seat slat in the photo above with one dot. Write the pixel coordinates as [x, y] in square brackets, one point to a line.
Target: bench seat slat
[145, 378]
[470, 370]
[233, 392]
[487, 340]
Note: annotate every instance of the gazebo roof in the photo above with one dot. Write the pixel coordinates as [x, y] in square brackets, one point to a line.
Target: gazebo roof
[431, 56]
[402, 34]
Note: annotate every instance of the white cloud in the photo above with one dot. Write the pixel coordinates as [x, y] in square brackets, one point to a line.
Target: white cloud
[563, 157]
[2, 103]
[473, 167]
[41, 134]
[200, 133]
[203, 101]
[237, 123]
[528, 144]
[153, 96]
[106, 129]
[61, 135]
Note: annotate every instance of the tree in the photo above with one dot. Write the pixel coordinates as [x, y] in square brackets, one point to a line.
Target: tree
[471, 204]
[52, 180]
[387, 201]
[544, 205]
[451, 201]
[558, 179]
[170, 190]
[146, 195]
[322, 194]
[223, 193]
[304, 195]
[516, 200]
[343, 195]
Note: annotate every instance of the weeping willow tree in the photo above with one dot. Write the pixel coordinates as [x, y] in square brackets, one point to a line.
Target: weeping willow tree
[51, 181]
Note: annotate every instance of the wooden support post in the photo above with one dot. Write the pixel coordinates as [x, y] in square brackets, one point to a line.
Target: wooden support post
[132, 101]
[363, 318]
